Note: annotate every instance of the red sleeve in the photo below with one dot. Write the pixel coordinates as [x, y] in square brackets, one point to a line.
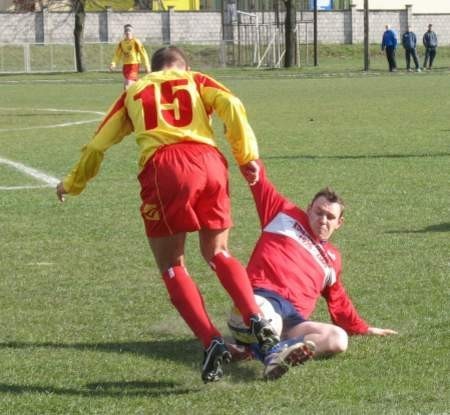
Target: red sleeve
[342, 311]
[268, 201]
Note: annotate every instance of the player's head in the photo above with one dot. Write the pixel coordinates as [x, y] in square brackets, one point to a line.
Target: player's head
[387, 27]
[430, 27]
[169, 57]
[128, 31]
[325, 213]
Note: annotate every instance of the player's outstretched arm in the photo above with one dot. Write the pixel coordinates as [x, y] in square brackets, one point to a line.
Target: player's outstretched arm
[375, 331]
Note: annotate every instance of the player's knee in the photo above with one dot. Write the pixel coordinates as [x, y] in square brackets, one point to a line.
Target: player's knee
[338, 340]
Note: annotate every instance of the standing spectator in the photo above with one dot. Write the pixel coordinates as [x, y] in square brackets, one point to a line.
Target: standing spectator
[184, 187]
[389, 44]
[409, 42]
[131, 51]
[430, 42]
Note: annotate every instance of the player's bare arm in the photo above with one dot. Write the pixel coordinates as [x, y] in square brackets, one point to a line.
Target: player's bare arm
[375, 331]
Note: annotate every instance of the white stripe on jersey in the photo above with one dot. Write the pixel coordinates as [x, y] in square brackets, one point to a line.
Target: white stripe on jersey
[285, 225]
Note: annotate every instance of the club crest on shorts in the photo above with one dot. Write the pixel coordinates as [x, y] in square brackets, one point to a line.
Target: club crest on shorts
[150, 212]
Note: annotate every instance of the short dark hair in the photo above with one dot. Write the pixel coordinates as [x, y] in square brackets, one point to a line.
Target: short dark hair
[167, 56]
[329, 194]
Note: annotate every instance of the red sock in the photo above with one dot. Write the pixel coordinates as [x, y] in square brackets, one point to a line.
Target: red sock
[187, 299]
[234, 279]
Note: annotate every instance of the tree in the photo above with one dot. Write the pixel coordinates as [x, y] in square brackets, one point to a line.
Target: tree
[290, 36]
[366, 36]
[78, 32]
[143, 4]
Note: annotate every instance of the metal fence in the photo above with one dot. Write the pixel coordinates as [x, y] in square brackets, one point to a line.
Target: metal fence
[249, 44]
[263, 45]
[58, 57]
[51, 57]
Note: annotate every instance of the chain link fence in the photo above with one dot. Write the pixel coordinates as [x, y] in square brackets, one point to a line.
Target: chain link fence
[60, 57]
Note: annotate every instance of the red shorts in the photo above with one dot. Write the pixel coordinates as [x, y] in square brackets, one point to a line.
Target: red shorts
[130, 71]
[184, 188]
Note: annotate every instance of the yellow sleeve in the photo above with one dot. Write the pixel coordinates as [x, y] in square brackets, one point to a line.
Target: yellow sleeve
[114, 127]
[117, 55]
[231, 111]
[143, 55]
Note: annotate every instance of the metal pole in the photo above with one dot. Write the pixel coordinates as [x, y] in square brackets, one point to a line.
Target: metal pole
[306, 43]
[366, 36]
[222, 12]
[315, 34]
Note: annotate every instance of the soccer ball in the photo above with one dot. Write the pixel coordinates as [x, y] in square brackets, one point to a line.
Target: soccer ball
[241, 332]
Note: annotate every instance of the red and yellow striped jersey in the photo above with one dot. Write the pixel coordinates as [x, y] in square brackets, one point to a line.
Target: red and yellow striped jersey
[164, 108]
[131, 51]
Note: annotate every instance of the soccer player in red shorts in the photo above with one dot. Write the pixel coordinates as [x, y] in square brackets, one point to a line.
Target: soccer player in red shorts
[184, 186]
[292, 265]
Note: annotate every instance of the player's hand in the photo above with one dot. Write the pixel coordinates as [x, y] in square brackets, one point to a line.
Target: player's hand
[111, 67]
[375, 331]
[251, 172]
[60, 191]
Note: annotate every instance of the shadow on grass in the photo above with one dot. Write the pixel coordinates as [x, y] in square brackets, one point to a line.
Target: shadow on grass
[441, 227]
[187, 352]
[354, 157]
[105, 389]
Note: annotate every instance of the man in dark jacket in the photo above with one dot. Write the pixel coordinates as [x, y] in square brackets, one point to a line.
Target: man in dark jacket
[430, 42]
[409, 42]
[389, 44]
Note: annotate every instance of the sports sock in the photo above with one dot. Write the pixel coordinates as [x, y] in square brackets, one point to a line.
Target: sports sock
[187, 299]
[234, 279]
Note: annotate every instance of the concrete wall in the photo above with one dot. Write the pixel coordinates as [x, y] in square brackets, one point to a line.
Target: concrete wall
[205, 27]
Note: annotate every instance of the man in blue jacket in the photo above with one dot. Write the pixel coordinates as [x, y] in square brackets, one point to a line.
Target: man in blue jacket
[430, 42]
[409, 42]
[389, 44]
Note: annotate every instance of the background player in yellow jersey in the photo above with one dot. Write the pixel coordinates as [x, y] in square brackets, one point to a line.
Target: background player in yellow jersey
[184, 186]
[131, 51]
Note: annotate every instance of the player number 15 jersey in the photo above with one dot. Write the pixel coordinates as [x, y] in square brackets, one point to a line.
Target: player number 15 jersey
[163, 108]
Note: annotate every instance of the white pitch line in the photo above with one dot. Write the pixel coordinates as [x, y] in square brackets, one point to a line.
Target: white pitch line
[66, 124]
[24, 187]
[49, 180]
[53, 110]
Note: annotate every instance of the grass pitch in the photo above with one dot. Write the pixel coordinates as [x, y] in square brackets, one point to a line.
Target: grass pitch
[86, 326]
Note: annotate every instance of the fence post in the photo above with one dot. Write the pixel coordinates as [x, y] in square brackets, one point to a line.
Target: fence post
[409, 17]
[366, 36]
[26, 57]
[171, 19]
[353, 24]
[109, 16]
[45, 25]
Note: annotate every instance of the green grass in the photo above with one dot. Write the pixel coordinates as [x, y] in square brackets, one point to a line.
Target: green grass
[86, 326]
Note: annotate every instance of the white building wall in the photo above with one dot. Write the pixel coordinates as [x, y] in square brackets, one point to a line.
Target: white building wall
[419, 6]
